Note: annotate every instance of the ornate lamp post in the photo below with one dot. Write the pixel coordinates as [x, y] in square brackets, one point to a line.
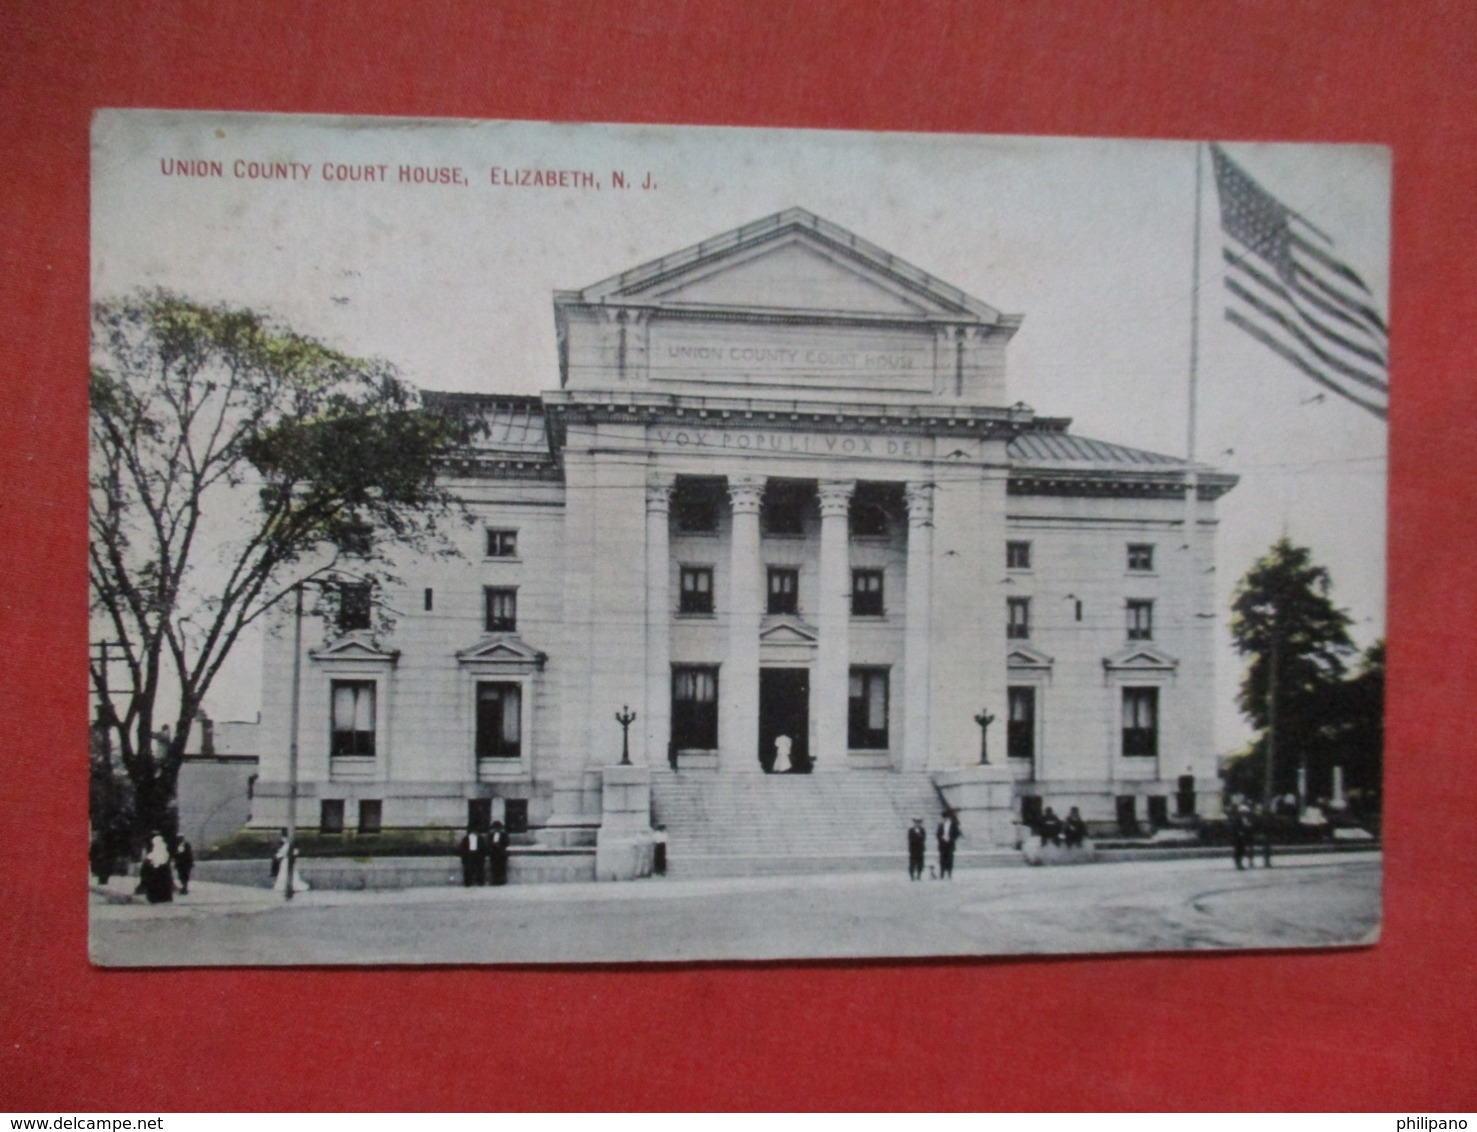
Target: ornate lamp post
[625, 717]
[984, 719]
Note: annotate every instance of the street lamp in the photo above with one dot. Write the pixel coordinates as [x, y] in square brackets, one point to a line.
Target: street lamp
[625, 717]
[984, 719]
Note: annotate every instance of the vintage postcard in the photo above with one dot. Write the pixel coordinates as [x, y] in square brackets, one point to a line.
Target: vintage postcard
[523, 543]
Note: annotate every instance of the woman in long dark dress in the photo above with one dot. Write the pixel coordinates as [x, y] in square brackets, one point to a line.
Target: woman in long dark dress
[157, 877]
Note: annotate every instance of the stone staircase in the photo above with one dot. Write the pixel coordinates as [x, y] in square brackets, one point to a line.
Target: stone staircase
[763, 825]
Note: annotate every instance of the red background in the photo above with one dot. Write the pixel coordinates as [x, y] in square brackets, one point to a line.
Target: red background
[1390, 1027]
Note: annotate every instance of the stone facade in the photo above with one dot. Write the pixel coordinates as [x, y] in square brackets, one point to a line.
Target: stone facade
[780, 490]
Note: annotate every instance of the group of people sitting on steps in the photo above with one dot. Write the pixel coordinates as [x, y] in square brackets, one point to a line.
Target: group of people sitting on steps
[1052, 830]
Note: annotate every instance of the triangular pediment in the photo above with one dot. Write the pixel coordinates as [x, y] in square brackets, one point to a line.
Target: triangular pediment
[1141, 657]
[793, 275]
[1024, 656]
[793, 261]
[784, 630]
[505, 650]
[355, 647]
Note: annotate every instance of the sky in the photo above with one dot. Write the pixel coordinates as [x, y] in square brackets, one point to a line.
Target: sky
[451, 279]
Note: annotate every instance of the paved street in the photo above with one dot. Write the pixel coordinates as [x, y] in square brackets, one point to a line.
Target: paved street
[1303, 901]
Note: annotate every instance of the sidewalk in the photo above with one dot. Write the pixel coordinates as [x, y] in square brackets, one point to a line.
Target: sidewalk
[207, 898]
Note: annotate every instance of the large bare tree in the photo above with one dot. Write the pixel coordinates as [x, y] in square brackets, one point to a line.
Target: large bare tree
[231, 458]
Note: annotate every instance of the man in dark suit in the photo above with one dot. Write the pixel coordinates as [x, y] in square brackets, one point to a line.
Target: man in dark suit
[473, 849]
[497, 848]
[948, 836]
[917, 841]
[184, 864]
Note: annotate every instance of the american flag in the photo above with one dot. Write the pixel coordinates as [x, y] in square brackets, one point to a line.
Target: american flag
[1289, 292]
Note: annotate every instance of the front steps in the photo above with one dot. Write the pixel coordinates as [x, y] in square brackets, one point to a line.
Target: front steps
[791, 824]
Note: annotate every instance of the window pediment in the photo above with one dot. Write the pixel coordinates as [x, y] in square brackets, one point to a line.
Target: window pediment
[1024, 656]
[355, 648]
[503, 652]
[1140, 658]
[786, 629]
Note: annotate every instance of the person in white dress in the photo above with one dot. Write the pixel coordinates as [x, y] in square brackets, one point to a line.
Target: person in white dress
[782, 745]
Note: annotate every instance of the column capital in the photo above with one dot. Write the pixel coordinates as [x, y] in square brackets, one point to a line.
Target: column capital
[659, 490]
[745, 494]
[919, 496]
[835, 497]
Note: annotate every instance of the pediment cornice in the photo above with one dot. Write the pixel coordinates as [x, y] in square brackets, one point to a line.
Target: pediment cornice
[785, 629]
[739, 270]
[502, 650]
[1024, 656]
[355, 648]
[1140, 657]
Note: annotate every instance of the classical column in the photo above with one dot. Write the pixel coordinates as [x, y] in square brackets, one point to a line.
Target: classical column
[658, 620]
[917, 625]
[830, 688]
[738, 681]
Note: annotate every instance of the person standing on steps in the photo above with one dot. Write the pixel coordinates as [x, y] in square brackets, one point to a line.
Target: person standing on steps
[497, 847]
[948, 836]
[917, 840]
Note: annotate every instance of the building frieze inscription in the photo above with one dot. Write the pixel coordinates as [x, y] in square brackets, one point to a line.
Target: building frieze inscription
[791, 443]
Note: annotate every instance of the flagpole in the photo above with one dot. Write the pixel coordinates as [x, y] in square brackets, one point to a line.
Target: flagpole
[1191, 480]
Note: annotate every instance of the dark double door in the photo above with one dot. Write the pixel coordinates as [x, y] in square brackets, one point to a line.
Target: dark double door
[784, 709]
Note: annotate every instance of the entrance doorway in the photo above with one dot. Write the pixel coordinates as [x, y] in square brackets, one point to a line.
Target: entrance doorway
[784, 709]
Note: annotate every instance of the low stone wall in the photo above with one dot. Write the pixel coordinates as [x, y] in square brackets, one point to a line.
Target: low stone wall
[525, 866]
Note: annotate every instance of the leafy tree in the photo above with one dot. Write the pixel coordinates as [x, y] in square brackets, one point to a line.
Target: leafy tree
[1283, 617]
[231, 458]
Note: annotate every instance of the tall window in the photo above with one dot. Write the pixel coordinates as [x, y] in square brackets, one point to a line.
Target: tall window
[371, 815]
[1141, 721]
[866, 593]
[331, 816]
[696, 594]
[1018, 618]
[499, 720]
[869, 515]
[1140, 620]
[1141, 556]
[695, 708]
[784, 509]
[867, 710]
[353, 718]
[784, 590]
[1018, 555]
[502, 609]
[1020, 736]
[695, 505]
[353, 606]
[502, 544]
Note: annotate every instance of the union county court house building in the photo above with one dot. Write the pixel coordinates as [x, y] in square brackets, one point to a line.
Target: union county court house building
[781, 507]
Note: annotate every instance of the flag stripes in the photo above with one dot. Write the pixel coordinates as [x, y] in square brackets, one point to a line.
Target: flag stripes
[1289, 292]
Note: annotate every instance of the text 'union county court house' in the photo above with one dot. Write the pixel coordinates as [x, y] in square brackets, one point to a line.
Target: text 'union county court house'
[783, 509]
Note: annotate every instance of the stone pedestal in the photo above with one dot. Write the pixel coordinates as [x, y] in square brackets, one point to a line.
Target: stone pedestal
[984, 799]
[623, 847]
